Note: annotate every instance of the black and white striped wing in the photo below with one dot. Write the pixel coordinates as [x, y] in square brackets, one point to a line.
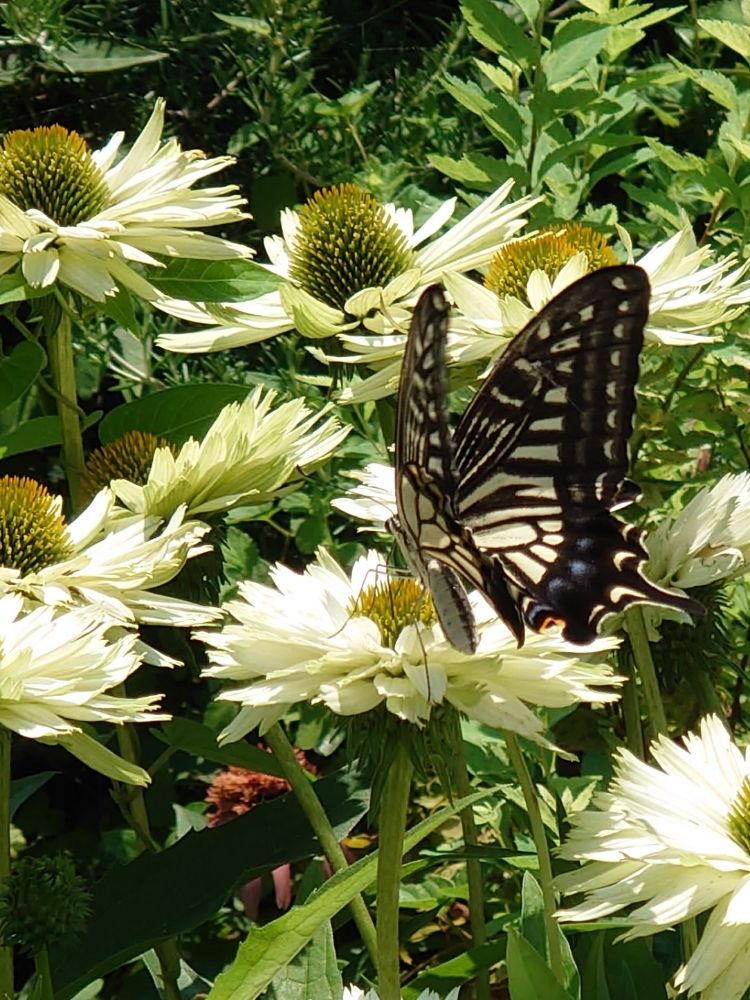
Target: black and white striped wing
[541, 457]
[437, 549]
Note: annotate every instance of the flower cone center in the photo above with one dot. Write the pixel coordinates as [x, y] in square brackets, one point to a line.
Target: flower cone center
[52, 170]
[548, 251]
[393, 605]
[739, 817]
[346, 241]
[129, 457]
[32, 529]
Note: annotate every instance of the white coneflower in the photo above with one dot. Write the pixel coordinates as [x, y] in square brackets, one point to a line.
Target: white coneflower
[669, 842]
[356, 642]
[56, 669]
[349, 261]
[84, 218]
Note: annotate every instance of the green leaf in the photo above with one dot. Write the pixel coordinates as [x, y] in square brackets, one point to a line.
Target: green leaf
[477, 170]
[311, 533]
[529, 977]
[200, 741]
[175, 413]
[575, 44]
[312, 973]
[158, 896]
[18, 370]
[497, 31]
[40, 432]
[23, 788]
[214, 280]
[735, 36]
[13, 288]
[120, 308]
[252, 24]
[102, 57]
[674, 160]
[457, 971]
[269, 948]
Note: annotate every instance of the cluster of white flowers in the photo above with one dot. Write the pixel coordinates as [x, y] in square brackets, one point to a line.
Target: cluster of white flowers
[671, 840]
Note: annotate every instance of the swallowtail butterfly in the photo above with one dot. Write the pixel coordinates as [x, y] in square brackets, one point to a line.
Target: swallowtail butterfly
[517, 500]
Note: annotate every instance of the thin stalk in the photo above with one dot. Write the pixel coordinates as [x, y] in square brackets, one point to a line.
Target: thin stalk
[60, 352]
[473, 865]
[303, 788]
[43, 985]
[631, 710]
[392, 821]
[6, 954]
[542, 851]
[644, 666]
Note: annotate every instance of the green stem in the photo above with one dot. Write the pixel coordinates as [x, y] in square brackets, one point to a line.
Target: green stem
[644, 666]
[473, 865]
[60, 351]
[542, 850]
[689, 935]
[631, 709]
[43, 986]
[392, 821]
[303, 789]
[6, 954]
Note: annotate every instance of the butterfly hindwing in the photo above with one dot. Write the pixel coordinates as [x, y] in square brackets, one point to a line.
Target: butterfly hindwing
[518, 501]
[541, 457]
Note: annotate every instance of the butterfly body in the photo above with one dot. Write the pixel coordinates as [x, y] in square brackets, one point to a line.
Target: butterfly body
[517, 501]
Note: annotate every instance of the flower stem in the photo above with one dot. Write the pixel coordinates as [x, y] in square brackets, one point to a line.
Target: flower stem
[644, 665]
[631, 710]
[392, 821]
[6, 954]
[473, 865]
[43, 986]
[542, 850]
[303, 788]
[60, 351]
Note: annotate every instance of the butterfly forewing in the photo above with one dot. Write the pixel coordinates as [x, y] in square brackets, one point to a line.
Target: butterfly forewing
[549, 426]
[438, 550]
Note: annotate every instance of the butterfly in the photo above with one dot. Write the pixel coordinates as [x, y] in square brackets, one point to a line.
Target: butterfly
[517, 501]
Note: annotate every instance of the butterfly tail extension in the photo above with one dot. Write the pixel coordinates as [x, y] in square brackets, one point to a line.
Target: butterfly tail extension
[452, 607]
[584, 588]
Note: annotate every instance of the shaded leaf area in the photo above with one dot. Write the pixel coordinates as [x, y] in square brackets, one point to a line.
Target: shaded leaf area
[160, 895]
[177, 413]
[199, 740]
[273, 946]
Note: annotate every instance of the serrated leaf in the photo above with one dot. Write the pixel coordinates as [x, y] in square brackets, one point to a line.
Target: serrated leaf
[177, 413]
[84, 56]
[718, 86]
[674, 160]
[312, 973]
[574, 45]
[734, 36]
[201, 280]
[477, 170]
[494, 29]
[18, 370]
[529, 976]
[270, 947]
[158, 896]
